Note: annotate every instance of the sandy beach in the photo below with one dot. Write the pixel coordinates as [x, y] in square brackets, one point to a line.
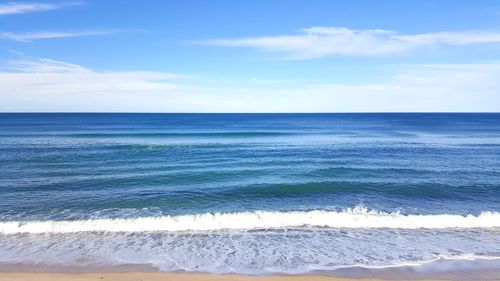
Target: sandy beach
[155, 276]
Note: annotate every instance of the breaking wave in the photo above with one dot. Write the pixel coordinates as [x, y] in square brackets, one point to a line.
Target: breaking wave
[358, 217]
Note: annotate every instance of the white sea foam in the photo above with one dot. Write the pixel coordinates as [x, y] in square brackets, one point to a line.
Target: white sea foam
[363, 252]
[358, 217]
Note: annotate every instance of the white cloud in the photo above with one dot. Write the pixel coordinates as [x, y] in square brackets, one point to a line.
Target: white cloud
[30, 36]
[20, 8]
[417, 88]
[452, 38]
[38, 76]
[40, 84]
[37, 84]
[321, 41]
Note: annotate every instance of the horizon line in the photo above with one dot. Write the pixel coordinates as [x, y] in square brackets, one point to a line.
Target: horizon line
[338, 112]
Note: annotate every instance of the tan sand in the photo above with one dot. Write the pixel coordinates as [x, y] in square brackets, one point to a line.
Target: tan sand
[156, 276]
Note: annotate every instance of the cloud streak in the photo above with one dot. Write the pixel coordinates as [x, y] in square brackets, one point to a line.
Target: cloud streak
[417, 88]
[45, 76]
[31, 36]
[45, 85]
[10, 8]
[315, 42]
[40, 84]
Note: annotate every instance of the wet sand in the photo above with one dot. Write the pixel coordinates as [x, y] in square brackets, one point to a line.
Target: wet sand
[157, 276]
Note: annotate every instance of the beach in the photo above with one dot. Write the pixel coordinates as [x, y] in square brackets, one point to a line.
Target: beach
[136, 276]
[149, 276]
[444, 270]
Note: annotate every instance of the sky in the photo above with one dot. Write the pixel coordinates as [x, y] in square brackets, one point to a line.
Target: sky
[250, 56]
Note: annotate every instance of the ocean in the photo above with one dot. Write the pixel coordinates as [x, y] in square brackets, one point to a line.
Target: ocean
[345, 194]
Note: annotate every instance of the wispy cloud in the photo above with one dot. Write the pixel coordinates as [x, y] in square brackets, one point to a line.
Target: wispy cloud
[41, 75]
[421, 88]
[40, 84]
[30, 36]
[20, 8]
[321, 41]
[411, 88]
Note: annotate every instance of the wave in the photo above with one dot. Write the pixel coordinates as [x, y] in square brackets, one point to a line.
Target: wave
[460, 267]
[358, 217]
[156, 134]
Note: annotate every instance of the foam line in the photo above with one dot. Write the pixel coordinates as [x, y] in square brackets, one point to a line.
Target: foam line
[351, 218]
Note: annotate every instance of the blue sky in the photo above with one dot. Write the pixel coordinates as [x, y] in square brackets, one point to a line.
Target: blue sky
[249, 56]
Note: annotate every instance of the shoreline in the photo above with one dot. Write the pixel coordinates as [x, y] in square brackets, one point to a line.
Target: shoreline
[129, 272]
[163, 276]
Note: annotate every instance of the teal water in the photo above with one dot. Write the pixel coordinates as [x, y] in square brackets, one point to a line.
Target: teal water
[249, 193]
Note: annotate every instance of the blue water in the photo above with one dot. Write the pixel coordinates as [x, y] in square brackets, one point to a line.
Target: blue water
[289, 179]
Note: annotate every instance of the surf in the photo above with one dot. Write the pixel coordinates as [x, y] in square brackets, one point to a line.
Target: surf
[358, 217]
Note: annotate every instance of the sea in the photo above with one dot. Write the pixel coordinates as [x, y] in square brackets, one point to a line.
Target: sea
[390, 194]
